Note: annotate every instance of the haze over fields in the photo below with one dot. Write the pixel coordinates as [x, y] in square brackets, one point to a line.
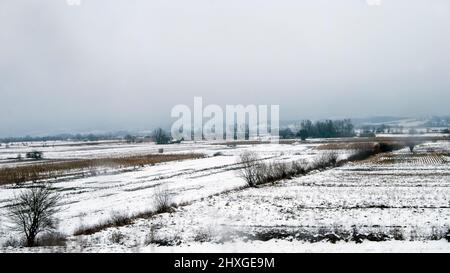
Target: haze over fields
[110, 65]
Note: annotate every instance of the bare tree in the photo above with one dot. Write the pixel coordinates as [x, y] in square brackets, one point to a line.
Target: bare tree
[160, 136]
[162, 200]
[411, 145]
[33, 212]
[303, 134]
[250, 168]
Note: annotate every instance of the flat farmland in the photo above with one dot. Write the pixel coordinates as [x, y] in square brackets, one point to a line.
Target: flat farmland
[393, 200]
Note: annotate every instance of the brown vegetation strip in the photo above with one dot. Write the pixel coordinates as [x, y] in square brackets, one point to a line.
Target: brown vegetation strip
[347, 146]
[41, 171]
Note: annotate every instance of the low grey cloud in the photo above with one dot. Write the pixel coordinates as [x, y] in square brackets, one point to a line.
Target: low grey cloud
[110, 64]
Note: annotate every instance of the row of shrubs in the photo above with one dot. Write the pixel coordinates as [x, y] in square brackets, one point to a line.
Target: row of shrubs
[256, 172]
[162, 203]
[53, 238]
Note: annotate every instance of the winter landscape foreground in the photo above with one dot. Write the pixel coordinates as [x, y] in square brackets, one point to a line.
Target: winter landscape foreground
[390, 201]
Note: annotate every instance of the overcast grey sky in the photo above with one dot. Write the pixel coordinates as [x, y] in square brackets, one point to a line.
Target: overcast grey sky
[116, 64]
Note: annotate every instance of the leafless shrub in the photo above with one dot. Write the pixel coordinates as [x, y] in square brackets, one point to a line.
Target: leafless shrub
[411, 145]
[52, 239]
[168, 240]
[264, 173]
[361, 154]
[398, 234]
[285, 170]
[150, 238]
[203, 235]
[325, 160]
[281, 170]
[298, 168]
[116, 237]
[89, 230]
[118, 219]
[162, 200]
[437, 233]
[13, 242]
[255, 172]
[447, 235]
[33, 212]
[333, 158]
[414, 234]
[249, 170]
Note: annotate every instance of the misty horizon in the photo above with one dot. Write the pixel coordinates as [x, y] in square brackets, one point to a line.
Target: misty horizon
[115, 65]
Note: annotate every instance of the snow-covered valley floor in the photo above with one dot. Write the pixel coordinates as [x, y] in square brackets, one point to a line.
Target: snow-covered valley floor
[394, 202]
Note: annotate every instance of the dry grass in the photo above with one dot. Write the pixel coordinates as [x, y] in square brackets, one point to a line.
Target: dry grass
[241, 142]
[42, 171]
[52, 239]
[347, 146]
[120, 220]
[163, 200]
[116, 220]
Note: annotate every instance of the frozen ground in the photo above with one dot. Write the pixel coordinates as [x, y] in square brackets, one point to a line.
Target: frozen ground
[57, 150]
[87, 201]
[283, 246]
[400, 194]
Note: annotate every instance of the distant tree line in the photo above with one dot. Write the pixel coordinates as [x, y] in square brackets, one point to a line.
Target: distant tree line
[77, 137]
[371, 130]
[321, 129]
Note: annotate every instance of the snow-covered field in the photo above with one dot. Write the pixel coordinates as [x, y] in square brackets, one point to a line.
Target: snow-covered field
[399, 195]
[87, 201]
[59, 150]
